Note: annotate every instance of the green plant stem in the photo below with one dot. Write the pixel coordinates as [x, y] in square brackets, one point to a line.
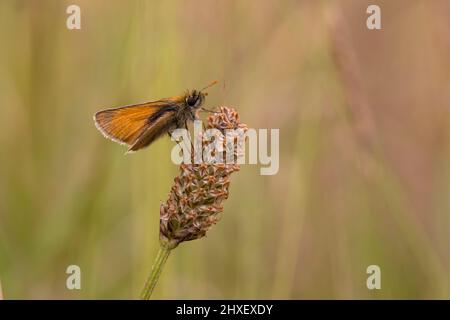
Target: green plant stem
[161, 258]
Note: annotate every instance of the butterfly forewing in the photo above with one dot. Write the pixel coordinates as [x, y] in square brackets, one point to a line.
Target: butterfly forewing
[126, 124]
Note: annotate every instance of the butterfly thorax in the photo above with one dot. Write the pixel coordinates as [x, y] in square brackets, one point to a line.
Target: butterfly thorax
[188, 106]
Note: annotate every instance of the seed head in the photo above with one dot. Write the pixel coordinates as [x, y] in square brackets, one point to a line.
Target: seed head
[196, 198]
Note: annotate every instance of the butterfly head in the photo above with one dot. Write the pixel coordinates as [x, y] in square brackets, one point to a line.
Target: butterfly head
[195, 98]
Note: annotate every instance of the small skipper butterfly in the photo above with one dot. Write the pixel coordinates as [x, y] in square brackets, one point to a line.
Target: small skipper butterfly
[138, 125]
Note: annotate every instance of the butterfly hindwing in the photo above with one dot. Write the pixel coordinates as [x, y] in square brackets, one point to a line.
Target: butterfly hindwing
[163, 123]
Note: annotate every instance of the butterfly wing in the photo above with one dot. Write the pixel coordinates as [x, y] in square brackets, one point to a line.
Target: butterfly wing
[126, 125]
[165, 122]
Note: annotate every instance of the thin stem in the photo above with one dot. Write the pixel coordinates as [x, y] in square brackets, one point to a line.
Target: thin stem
[161, 258]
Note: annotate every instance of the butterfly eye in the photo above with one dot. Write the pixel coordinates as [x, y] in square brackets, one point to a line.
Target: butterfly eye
[191, 100]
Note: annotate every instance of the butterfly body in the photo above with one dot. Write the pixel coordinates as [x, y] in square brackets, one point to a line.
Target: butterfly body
[137, 126]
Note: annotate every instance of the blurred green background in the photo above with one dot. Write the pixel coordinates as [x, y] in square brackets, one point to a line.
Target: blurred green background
[364, 123]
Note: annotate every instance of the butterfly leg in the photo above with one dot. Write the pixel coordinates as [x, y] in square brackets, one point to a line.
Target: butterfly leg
[187, 129]
[207, 110]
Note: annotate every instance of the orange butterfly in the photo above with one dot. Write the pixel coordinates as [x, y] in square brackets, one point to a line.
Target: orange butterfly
[137, 126]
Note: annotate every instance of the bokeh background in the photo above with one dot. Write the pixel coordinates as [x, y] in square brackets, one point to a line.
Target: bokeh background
[364, 123]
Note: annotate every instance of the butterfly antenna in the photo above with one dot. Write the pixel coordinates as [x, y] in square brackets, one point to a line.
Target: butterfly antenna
[210, 85]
